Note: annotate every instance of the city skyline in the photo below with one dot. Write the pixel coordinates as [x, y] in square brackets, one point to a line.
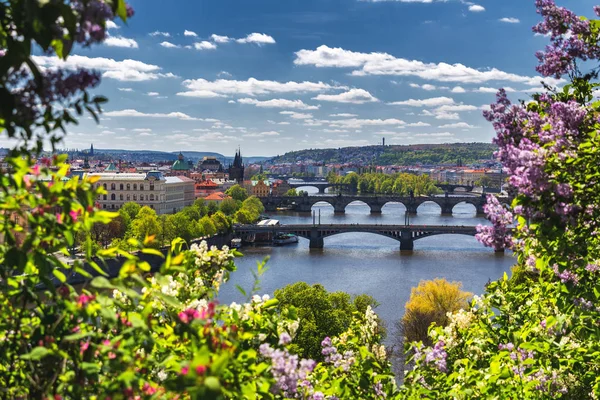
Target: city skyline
[273, 77]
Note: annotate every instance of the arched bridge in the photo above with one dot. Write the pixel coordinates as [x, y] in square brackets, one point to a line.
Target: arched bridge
[376, 203]
[321, 186]
[446, 187]
[405, 234]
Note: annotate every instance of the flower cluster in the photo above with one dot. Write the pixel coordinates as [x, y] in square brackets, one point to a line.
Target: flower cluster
[496, 236]
[290, 372]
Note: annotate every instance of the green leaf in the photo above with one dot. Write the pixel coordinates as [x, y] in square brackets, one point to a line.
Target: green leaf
[36, 354]
[154, 252]
[59, 275]
[122, 10]
[101, 282]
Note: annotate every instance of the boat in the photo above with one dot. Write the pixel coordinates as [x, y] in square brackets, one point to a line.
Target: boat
[285, 238]
[236, 243]
[286, 208]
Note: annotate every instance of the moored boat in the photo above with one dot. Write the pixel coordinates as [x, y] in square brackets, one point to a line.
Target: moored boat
[236, 243]
[285, 238]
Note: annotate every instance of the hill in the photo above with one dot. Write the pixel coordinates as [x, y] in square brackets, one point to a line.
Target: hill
[424, 154]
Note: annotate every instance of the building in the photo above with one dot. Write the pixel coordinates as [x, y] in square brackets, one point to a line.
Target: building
[206, 188]
[280, 188]
[180, 167]
[166, 195]
[210, 164]
[260, 189]
[236, 170]
[217, 197]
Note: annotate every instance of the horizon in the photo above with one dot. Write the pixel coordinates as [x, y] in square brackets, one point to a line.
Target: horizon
[287, 77]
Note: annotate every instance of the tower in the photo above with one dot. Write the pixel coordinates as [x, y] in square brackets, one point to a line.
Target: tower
[383, 142]
[236, 170]
[92, 150]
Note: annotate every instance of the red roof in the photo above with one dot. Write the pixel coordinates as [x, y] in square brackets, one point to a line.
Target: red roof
[217, 196]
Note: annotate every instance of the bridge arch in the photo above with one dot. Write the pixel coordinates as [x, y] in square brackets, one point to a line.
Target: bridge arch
[429, 207]
[303, 187]
[468, 207]
[366, 207]
[394, 207]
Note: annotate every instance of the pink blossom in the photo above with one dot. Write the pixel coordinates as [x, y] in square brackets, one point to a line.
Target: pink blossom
[83, 347]
[84, 299]
[189, 315]
[185, 370]
[201, 369]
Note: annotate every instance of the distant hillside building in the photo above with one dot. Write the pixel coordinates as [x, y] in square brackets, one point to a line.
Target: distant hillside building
[180, 167]
[236, 170]
[210, 164]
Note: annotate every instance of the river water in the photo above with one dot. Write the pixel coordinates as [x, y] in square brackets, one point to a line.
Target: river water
[367, 263]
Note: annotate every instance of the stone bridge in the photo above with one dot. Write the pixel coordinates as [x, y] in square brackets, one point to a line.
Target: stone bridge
[375, 203]
[405, 234]
[446, 187]
[321, 186]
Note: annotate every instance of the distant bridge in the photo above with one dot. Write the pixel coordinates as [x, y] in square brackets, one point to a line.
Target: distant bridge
[375, 203]
[405, 234]
[321, 186]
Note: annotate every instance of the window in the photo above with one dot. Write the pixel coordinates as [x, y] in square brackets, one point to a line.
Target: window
[104, 186]
[141, 186]
[113, 197]
[121, 186]
[128, 197]
[135, 197]
[112, 206]
[104, 197]
[151, 185]
[151, 197]
[104, 206]
[128, 187]
[135, 186]
[120, 197]
[113, 187]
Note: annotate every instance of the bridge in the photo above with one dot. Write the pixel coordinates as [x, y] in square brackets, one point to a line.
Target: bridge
[405, 234]
[321, 186]
[375, 203]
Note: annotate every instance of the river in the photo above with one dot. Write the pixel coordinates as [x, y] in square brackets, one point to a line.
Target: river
[367, 263]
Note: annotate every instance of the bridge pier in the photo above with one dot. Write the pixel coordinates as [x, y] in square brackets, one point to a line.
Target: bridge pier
[407, 243]
[375, 208]
[339, 208]
[322, 189]
[316, 241]
[411, 209]
[447, 209]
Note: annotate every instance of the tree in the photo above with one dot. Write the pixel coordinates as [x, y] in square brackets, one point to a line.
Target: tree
[237, 193]
[200, 205]
[291, 193]
[228, 206]
[221, 222]
[212, 207]
[131, 209]
[321, 314]
[182, 226]
[244, 216]
[145, 224]
[430, 302]
[207, 226]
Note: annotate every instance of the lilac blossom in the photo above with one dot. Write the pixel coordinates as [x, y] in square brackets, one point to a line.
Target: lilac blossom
[497, 235]
[287, 369]
[565, 275]
[437, 356]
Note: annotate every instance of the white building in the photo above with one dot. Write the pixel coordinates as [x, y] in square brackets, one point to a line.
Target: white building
[166, 195]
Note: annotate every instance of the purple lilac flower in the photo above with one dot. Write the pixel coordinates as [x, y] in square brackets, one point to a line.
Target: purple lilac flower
[437, 356]
[287, 369]
[566, 275]
[284, 339]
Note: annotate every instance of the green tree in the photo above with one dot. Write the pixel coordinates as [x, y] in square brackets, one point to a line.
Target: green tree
[237, 192]
[291, 193]
[212, 207]
[182, 226]
[131, 209]
[320, 314]
[228, 206]
[243, 216]
[146, 223]
[207, 226]
[221, 222]
[200, 205]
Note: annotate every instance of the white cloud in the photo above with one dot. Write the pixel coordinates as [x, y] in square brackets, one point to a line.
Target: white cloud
[205, 45]
[158, 33]
[417, 124]
[253, 87]
[458, 89]
[386, 64]
[493, 90]
[126, 89]
[425, 86]
[111, 25]
[279, 103]
[297, 115]
[334, 130]
[434, 134]
[142, 130]
[510, 20]
[224, 73]
[462, 125]
[355, 123]
[476, 8]
[354, 96]
[134, 113]
[189, 33]
[432, 102]
[152, 94]
[170, 45]
[146, 134]
[446, 115]
[220, 39]
[262, 134]
[119, 41]
[126, 70]
[258, 38]
[345, 115]
[203, 94]
[455, 108]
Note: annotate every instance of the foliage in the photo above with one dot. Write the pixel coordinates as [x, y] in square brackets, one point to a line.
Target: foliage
[320, 314]
[431, 302]
[434, 154]
[237, 192]
[291, 193]
[536, 335]
[228, 206]
[400, 183]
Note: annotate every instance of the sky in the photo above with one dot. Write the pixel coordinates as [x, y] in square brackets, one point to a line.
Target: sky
[272, 76]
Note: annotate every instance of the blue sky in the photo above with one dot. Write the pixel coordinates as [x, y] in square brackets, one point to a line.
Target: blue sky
[286, 75]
